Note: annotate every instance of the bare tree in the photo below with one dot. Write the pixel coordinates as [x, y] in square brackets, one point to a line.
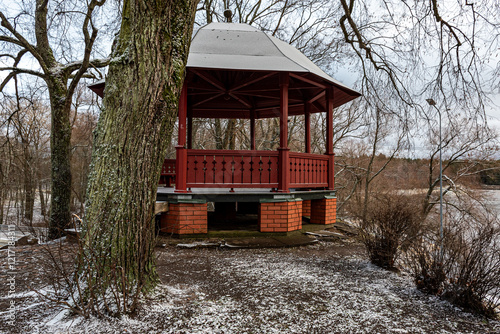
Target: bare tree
[466, 146]
[25, 125]
[28, 32]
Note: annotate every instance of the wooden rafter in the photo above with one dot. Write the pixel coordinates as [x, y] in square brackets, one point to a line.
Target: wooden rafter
[309, 81]
[208, 99]
[253, 80]
[317, 96]
[210, 79]
[241, 100]
[319, 106]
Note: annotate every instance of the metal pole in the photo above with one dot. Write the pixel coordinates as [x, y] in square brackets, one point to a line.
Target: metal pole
[440, 184]
[431, 102]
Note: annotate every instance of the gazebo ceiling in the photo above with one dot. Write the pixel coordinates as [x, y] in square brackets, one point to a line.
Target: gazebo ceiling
[234, 68]
[233, 94]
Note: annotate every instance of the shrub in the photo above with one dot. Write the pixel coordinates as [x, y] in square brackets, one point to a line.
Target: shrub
[392, 223]
[466, 271]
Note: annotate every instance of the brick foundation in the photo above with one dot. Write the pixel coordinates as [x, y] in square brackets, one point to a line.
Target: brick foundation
[282, 216]
[306, 208]
[185, 218]
[324, 211]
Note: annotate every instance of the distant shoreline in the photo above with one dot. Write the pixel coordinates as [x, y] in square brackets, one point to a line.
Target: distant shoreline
[490, 187]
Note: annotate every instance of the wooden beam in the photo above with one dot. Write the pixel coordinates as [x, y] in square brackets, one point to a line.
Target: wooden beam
[273, 96]
[208, 99]
[221, 113]
[276, 108]
[182, 114]
[189, 128]
[272, 88]
[329, 138]
[240, 100]
[317, 96]
[202, 86]
[309, 81]
[210, 79]
[252, 81]
[252, 129]
[329, 121]
[319, 106]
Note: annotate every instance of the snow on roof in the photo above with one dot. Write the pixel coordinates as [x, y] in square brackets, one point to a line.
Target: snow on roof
[237, 46]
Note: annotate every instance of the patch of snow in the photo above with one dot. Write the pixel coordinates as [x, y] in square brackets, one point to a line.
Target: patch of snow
[55, 241]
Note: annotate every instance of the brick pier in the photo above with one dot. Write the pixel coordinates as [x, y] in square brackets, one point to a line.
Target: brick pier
[324, 211]
[185, 217]
[280, 216]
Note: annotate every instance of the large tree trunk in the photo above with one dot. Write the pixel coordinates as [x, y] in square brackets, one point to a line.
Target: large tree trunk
[145, 78]
[60, 146]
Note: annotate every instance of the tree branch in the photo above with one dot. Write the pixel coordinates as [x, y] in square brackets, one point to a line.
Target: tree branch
[95, 63]
[42, 39]
[18, 70]
[19, 40]
[89, 43]
[17, 59]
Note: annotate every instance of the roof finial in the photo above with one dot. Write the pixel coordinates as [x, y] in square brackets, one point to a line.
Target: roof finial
[228, 15]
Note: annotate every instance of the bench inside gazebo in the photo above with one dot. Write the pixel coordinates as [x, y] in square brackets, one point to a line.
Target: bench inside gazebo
[236, 71]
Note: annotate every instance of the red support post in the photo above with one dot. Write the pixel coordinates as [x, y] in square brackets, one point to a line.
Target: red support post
[307, 114]
[252, 129]
[181, 151]
[284, 151]
[329, 138]
[189, 129]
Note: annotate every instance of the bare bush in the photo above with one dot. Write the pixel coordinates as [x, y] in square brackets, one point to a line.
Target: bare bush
[464, 267]
[426, 266]
[78, 284]
[392, 223]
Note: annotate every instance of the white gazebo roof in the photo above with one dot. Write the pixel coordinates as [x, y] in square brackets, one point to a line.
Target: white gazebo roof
[236, 46]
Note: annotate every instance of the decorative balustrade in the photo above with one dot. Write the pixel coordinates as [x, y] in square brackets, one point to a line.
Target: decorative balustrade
[308, 170]
[168, 172]
[232, 169]
[168, 167]
[248, 169]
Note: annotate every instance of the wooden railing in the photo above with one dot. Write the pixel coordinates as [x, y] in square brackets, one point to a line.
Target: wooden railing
[168, 167]
[168, 172]
[248, 169]
[232, 169]
[308, 170]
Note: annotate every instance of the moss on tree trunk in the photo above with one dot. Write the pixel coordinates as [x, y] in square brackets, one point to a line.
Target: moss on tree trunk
[145, 78]
[60, 146]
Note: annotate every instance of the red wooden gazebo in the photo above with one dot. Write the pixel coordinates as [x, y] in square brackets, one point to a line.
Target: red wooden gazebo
[237, 71]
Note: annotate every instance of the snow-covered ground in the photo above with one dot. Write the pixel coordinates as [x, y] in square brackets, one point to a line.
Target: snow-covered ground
[323, 288]
[493, 197]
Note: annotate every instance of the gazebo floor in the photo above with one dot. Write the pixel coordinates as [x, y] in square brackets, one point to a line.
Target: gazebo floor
[239, 194]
